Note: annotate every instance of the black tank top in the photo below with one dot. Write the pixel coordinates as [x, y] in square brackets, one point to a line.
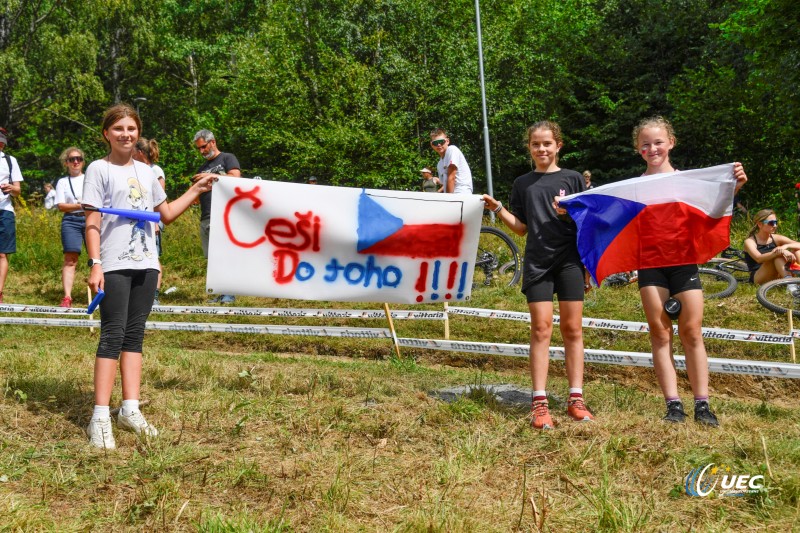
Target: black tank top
[754, 265]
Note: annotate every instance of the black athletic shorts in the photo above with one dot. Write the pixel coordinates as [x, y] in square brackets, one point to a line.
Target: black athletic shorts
[677, 279]
[566, 280]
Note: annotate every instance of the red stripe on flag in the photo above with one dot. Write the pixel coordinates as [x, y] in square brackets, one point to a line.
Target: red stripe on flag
[429, 240]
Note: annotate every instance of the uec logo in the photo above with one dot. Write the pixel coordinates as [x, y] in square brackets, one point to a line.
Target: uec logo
[702, 481]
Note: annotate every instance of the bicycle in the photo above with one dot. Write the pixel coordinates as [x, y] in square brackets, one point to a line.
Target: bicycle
[498, 261]
[731, 261]
[716, 283]
[781, 295]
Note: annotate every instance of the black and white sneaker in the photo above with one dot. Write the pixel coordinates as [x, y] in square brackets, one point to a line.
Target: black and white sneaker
[703, 414]
[675, 412]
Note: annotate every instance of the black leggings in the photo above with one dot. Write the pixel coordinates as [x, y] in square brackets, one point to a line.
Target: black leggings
[124, 311]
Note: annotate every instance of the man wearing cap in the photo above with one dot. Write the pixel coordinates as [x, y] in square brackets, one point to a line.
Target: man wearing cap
[219, 164]
[312, 180]
[452, 166]
[10, 178]
[430, 182]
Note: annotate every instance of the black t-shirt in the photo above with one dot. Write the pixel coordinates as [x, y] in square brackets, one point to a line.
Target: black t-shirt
[551, 238]
[222, 164]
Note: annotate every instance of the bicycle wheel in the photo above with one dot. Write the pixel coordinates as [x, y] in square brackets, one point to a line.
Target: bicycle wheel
[498, 261]
[775, 295]
[738, 269]
[716, 283]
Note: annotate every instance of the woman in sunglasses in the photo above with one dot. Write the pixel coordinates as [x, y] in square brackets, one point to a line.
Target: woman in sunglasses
[769, 255]
[73, 225]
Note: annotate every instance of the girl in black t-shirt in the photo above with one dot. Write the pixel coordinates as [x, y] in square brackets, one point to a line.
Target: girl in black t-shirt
[551, 266]
[653, 138]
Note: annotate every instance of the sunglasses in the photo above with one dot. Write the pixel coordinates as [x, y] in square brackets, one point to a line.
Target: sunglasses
[76, 159]
[772, 223]
[438, 142]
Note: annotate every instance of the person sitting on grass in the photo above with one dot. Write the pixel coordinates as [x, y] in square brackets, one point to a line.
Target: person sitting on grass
[769, 255]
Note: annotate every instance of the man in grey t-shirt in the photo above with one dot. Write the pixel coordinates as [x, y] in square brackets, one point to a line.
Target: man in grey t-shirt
[219, 164]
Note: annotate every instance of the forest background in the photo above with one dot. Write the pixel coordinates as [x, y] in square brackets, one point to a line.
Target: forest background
[348, 90]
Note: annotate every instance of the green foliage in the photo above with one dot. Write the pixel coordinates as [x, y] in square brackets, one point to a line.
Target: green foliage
[347, 90]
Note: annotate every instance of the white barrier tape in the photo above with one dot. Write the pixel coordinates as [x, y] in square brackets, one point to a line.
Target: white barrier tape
[242, 311]
[313, 331]
[641, 327]
[718, 365]
[42, 309]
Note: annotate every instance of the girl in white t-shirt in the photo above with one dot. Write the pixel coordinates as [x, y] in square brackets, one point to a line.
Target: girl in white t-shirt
[124, 264]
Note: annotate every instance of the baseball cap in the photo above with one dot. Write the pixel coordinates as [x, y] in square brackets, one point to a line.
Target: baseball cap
[3, 136]
[426, 169]
[312, 179]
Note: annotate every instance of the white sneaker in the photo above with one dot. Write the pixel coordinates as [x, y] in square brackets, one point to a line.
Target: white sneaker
[135, 422]
[100, 434]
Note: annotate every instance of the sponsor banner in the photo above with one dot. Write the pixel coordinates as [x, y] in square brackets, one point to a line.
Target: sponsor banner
[312, 242]
[313, 331]
[42, 309]
[640, 359]
[641, 327]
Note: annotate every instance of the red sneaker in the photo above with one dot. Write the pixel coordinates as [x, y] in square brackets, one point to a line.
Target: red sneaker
[66, 301]
[577, 410]
[540, 416]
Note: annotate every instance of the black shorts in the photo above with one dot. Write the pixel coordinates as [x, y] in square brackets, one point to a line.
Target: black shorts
[566, 280]
[677, 279]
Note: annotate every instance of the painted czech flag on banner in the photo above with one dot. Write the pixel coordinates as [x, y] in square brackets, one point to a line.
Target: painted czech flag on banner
[662, 220]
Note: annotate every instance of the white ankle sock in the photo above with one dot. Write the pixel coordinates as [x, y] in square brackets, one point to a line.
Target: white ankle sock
[101, 411]
[129, 407]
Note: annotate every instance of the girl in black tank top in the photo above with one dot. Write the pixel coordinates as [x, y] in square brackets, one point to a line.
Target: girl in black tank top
[769, 260]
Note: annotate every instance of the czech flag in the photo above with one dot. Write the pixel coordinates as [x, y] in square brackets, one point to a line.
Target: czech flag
[671, 219]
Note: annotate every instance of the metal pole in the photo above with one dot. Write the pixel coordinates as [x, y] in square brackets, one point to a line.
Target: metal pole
[489, 186]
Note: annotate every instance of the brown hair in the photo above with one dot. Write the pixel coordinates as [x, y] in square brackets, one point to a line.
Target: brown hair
[761, 216]
[654, 122]
[65, 154]
[435, 132]
[118, 112]
[149, 148]
[554, 128]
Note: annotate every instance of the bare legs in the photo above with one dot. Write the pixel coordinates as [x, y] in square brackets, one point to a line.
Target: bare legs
[68, 272]
[541, 332]
[105, 373]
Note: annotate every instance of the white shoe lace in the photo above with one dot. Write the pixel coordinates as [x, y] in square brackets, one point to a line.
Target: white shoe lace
[137, 422]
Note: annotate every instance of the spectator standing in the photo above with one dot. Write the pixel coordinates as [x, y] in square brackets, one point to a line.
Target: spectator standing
[128, 279]
[430, 183]
[10, 178]
[217, 164]
[452, 166]
[147, 152]
[69, 190]
[587, 179]
[312, 180]
[49, 196]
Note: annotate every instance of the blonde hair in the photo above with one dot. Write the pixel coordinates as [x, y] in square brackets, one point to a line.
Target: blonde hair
[65, 154]
[654, 122]
[149, 148]
[759, 217]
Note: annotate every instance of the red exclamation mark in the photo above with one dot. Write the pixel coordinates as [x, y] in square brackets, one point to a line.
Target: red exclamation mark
[451, 278]
[423, 276]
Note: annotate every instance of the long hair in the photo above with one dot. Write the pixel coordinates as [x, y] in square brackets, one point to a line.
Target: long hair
[149, 148]
[118, 112]
[549, 125]
[761, 216]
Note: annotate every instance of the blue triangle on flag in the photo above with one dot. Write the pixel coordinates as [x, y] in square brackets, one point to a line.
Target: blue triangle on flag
[374, 222]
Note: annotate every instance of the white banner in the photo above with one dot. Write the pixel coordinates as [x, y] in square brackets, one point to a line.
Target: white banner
[312, 242]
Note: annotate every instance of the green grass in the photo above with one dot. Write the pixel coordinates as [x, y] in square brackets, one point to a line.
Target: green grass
[278, 433]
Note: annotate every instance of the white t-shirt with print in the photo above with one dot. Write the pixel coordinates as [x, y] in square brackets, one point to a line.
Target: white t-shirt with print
[64, 192]
[453, 156]
[16, 175]
[124, 243]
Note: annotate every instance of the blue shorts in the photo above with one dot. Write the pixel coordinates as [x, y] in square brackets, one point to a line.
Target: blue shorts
[8, 232]
[73, 233]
